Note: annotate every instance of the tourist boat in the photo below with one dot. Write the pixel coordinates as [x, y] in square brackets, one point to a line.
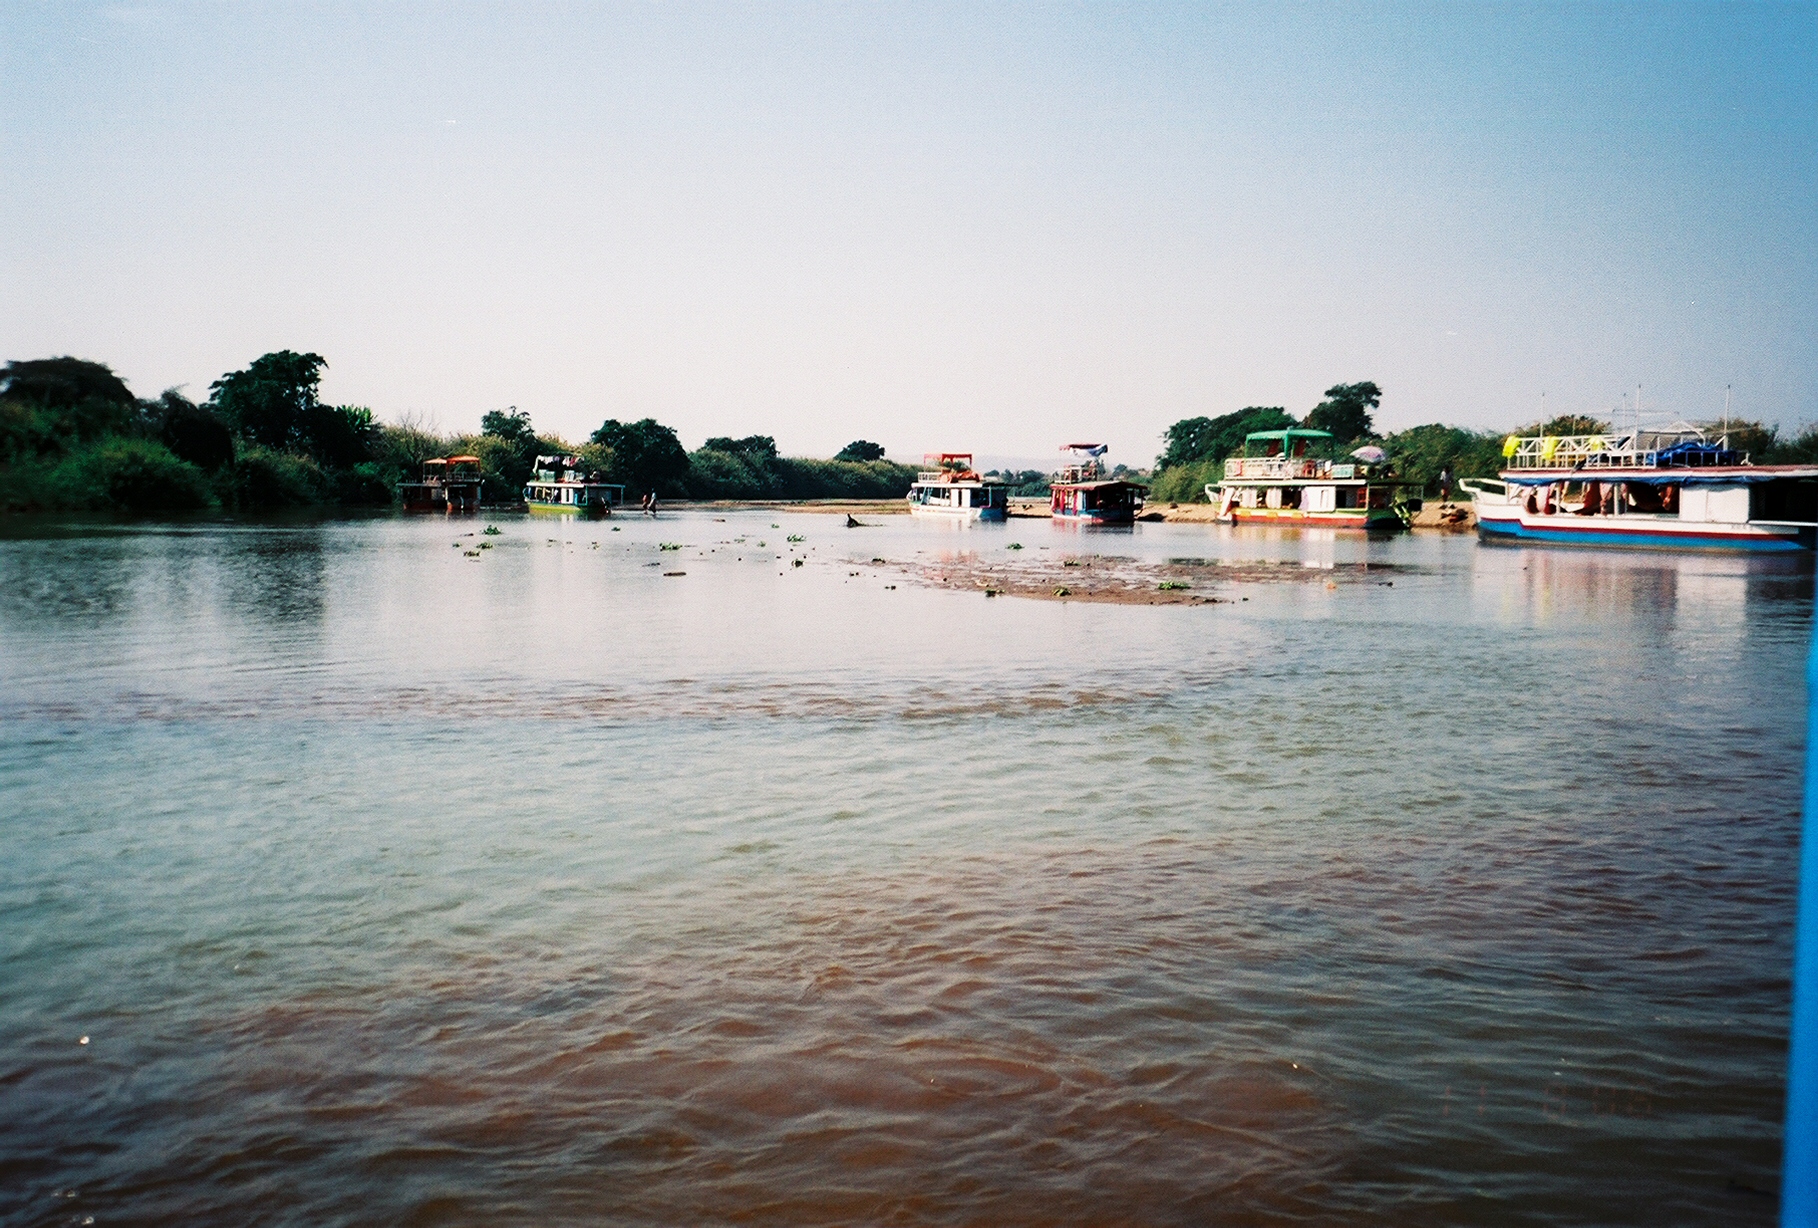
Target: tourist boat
[559, 484]
[950, 489]
[1081, 492]
[1671, 487]
[1274, 481]
[449, 484]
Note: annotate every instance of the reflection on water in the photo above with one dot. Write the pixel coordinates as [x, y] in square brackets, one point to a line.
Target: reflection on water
[393, 884]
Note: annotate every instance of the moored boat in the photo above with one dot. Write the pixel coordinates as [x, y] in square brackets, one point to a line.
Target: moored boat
[448, 484]
[949, 488]
[559, 484]
[1275, 481]
[1083, 493]
[1671, 488]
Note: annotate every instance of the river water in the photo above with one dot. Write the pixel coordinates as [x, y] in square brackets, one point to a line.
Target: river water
[350, 877]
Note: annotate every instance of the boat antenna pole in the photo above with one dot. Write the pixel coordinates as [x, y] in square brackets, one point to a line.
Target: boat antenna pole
[1726, 415]
[1799, 1163]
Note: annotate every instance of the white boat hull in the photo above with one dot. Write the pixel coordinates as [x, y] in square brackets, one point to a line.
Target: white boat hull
[1500, 516]
[956, 513]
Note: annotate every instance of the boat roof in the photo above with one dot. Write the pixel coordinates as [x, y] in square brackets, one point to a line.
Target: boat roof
[465, 460]
[1088, 485]
[1292, 432]
[1702, 475]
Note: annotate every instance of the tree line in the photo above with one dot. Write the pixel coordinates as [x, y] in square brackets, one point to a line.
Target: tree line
[73, 436]
[1194, 449]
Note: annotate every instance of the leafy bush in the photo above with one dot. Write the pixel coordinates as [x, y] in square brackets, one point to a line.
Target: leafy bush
[1801, 449]
[192, 432]
[1420, 452]
[138, 475]
[1186, 483]
[365, 485]
[262, 479]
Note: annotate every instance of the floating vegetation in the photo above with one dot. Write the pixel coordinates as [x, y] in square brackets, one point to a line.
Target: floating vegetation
[615, 528]
[675, 573]
[880, 560]
[1063, 591]
[670, 546]
[798, 562]
[1170, 585]
[485, 545]
[1014, 546]
[472, 554]
[1071, 563]
[797, 537]
[491, 530]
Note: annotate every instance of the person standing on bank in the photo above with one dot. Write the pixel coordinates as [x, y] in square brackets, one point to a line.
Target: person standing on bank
[1445, 484]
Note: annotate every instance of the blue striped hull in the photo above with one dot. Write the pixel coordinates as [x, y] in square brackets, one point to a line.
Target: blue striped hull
[1758, 542]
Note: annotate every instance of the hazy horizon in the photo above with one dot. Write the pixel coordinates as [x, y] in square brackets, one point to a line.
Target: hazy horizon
[995, 229]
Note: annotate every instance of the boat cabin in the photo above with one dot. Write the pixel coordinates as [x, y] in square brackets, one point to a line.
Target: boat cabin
[948, 486]
[1277, 479]
[1081, 491]
[562, 483]
[448, 484]
[1670, 487]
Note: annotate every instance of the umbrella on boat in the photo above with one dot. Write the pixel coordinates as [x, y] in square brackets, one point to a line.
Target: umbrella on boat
[1370, 454]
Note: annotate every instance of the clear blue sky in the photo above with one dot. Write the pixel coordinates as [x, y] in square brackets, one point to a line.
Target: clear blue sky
[995, 227]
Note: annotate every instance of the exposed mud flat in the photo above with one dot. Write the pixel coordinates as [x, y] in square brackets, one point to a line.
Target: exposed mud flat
[1124, 581]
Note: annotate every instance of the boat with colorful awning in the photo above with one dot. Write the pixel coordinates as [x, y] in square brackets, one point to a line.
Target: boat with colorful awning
[562, 484]
[1083, 493]
[1674, 487]
[948, 488]
[1278, 480]
[448, 484]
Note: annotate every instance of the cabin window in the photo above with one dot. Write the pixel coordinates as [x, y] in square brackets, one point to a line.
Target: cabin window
[1784, 500]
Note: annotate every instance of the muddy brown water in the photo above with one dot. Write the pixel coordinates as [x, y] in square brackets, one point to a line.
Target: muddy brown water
[394, 884]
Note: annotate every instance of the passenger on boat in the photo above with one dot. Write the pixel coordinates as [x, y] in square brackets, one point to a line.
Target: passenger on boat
[1669, 500]
[1643, 498]
[1593, 499]
[1533, 502]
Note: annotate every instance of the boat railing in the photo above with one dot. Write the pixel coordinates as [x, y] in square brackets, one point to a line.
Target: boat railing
[1673, 449]
[1273, 467]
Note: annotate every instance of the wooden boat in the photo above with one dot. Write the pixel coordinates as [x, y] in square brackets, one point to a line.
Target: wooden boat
[448, 484]
[949, 489]
[559, 484]
[1669, 488]
[1275, 481]
[1082, 493]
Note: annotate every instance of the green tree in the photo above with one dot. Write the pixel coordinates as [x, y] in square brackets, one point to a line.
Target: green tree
[1801, 449]
[1192, 440]
[512, 425]
[762, 447]
[271, 403]
[1346, 411]
[646, 455]
[1420, 452]
[48, 405]
[860, 450]
[192, 432]
[340, 436]
[1570, 424]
